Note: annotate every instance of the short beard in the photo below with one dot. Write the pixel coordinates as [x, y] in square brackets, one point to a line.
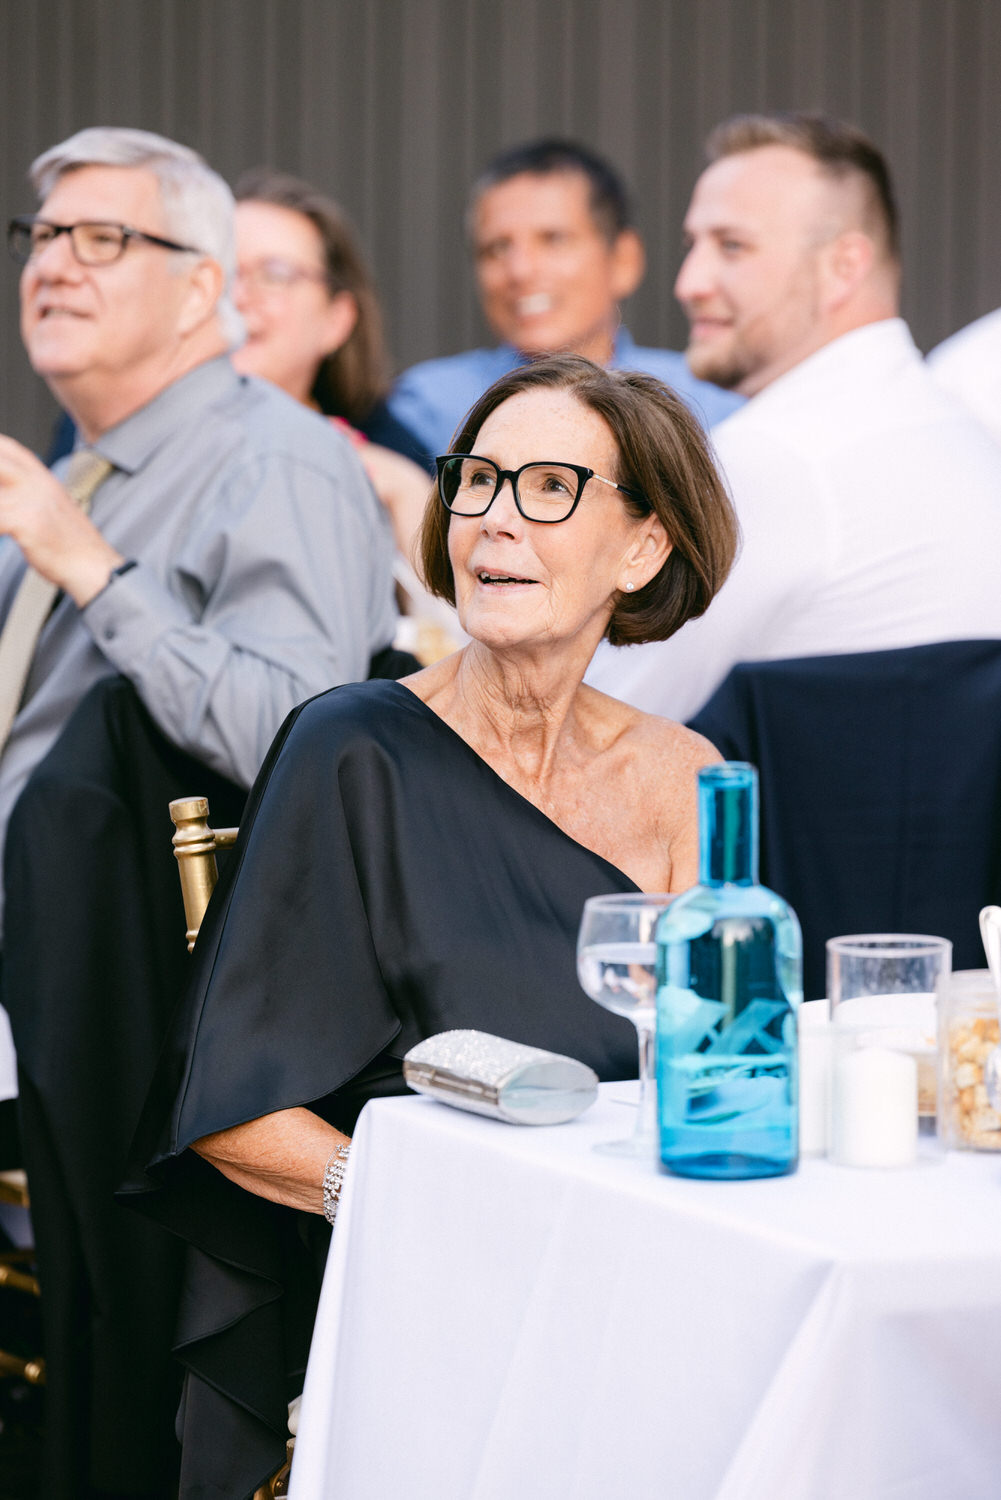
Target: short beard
[705, 365]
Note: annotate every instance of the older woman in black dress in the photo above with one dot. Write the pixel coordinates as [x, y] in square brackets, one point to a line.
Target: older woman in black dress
[416, 856]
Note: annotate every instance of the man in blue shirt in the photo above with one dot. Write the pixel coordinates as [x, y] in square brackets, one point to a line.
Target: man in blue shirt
[556, 253]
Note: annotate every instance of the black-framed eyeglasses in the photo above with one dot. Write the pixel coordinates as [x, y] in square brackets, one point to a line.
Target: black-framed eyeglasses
[543, 490]
[93, 243]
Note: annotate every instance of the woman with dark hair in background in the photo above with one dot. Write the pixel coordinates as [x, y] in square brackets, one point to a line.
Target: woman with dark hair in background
[340, 363]
[314, 328]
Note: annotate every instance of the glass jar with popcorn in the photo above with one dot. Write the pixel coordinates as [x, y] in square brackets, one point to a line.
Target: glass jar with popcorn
[968, 1032]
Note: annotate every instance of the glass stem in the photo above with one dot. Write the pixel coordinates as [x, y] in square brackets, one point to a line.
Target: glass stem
[646, 1114]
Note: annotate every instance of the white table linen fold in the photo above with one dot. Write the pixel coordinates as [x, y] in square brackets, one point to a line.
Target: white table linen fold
[507, 1312]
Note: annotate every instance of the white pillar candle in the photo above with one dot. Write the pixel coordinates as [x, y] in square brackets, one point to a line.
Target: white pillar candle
[909, 1023]
[874, 1114]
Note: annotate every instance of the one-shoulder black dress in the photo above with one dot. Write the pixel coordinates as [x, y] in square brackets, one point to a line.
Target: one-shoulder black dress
[387, 885]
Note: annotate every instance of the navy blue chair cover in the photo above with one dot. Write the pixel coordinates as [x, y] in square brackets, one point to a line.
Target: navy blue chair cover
[880, 788]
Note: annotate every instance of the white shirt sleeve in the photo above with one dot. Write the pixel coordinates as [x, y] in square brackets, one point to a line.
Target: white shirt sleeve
[787, 543]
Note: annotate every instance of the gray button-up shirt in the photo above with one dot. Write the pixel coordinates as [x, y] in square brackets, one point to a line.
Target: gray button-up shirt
[264, 575]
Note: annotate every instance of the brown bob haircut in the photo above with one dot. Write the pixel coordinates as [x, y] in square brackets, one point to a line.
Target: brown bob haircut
[352, 379]
[663, 453]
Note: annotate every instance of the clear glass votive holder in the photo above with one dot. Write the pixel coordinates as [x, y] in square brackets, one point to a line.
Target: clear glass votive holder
[889, 979]
[884, 963]
[968, 1031]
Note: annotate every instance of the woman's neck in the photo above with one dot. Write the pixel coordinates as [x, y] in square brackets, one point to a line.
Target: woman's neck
[511, 709]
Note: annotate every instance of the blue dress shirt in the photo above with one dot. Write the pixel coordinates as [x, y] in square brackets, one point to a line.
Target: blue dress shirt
[432, 398]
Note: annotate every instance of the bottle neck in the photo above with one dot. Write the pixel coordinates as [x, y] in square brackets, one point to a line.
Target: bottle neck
[728, 825]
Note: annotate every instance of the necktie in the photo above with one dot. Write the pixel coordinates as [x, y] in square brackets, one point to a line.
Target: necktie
[35, 597]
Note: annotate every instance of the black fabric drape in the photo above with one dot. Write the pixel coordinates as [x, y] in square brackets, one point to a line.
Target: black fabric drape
[94, 961]
[387, 885]
[880, 788]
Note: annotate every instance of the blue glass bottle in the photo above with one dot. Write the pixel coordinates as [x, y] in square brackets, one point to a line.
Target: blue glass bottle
[729, 982]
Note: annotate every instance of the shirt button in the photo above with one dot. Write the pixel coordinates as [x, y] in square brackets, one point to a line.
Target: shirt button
[109, 632]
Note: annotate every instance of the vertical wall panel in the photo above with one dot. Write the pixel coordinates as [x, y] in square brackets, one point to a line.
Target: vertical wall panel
[985, 225]
[392, 105]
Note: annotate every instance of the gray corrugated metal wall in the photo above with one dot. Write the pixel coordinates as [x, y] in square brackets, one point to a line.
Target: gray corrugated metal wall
[392, 105]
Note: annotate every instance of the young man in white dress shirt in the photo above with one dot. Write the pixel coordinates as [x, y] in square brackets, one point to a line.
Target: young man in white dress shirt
[870, 503]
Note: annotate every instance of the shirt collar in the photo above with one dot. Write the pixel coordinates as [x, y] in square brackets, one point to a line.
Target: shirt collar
[132, 443]
[869, 352]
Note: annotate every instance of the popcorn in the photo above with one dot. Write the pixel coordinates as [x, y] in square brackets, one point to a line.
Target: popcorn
[963, 1102]
[967, 1075]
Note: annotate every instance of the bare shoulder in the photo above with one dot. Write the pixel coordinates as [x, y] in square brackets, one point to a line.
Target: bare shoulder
[430, 683]
[667, 759]
[652, 740]
[653, 765]
[688, 748]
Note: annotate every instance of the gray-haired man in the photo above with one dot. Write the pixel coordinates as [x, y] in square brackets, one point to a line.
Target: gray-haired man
[234, 561]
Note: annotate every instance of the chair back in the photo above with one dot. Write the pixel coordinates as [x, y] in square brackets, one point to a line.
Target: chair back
[880, 788]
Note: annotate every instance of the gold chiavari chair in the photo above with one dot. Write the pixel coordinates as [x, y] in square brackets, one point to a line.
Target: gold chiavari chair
[195, 846]
[16, 1276]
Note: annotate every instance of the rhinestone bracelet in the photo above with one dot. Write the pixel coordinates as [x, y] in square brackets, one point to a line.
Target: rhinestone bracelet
[333, 1181]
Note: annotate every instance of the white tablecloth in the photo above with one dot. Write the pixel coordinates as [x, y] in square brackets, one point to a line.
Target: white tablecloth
[508, 1315]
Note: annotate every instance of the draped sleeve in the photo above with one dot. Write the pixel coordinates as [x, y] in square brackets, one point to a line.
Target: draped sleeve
[387, 884]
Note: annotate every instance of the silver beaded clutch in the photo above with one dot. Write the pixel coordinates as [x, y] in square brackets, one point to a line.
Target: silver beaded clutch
[506, 1080]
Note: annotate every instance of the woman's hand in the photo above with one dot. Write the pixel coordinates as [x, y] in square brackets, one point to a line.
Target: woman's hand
[280, 1156]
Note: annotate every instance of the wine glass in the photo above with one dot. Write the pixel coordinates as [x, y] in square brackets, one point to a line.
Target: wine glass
[616, 966]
